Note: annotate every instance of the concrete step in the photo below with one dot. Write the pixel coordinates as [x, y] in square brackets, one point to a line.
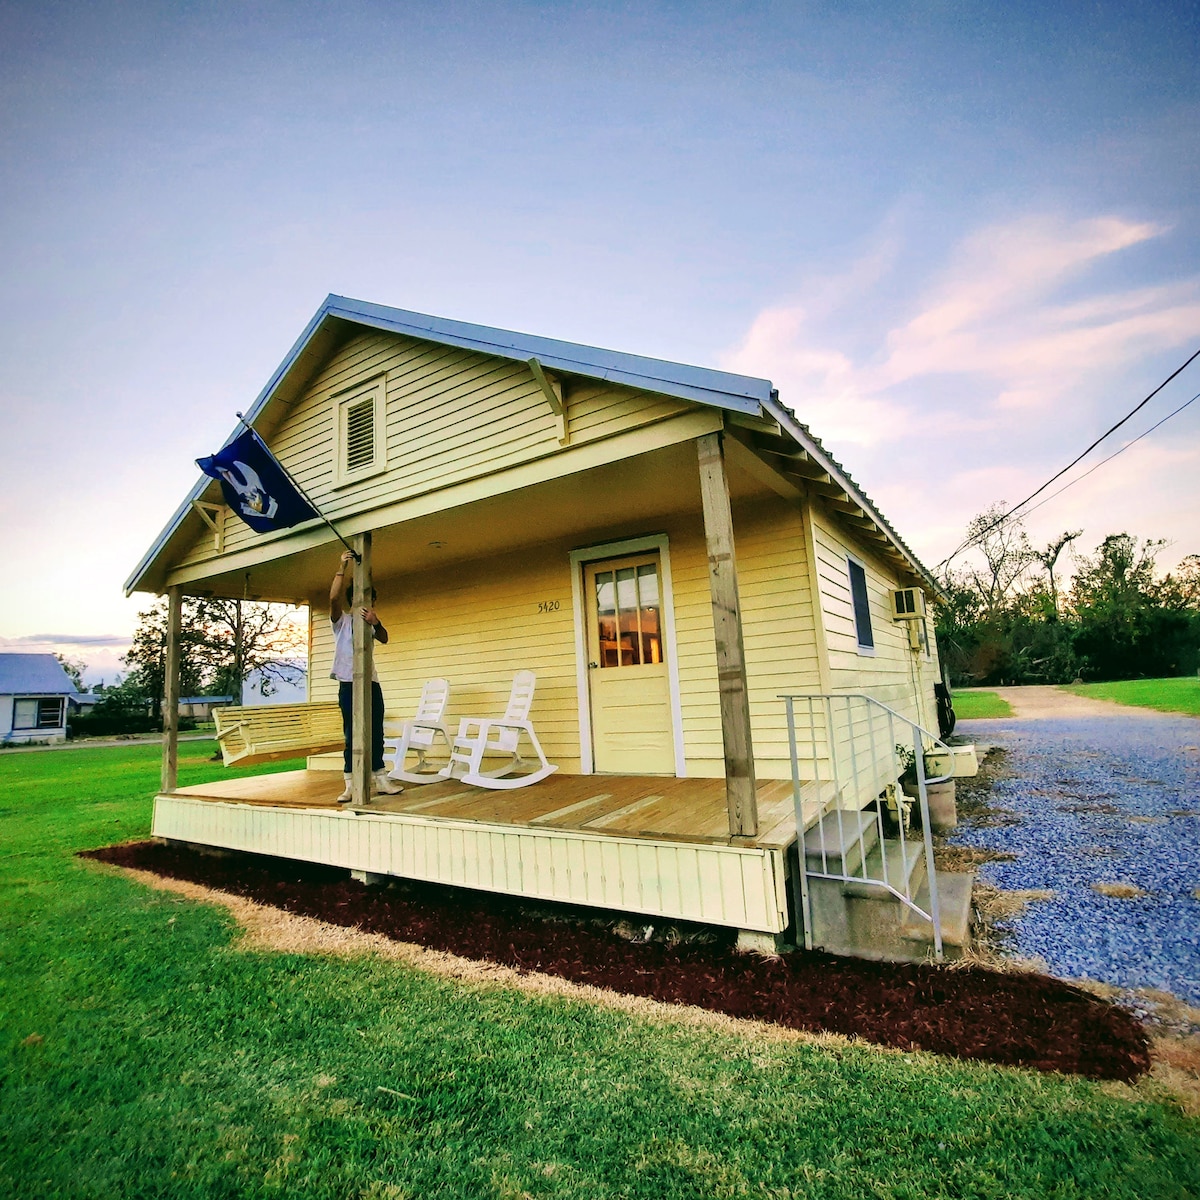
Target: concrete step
[846, 839]
[901, 867]
[954, 898]
[867, 921]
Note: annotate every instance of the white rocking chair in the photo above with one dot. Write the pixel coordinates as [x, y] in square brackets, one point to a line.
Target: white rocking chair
[418, 734]
[474, 741]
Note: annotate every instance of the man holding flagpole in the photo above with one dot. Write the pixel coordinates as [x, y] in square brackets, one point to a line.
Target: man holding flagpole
[341, 613]
[258, 488]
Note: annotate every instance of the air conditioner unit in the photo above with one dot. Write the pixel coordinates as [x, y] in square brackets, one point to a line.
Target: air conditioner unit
[908, 604]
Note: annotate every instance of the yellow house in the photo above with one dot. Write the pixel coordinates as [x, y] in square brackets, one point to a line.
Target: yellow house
[666, 547]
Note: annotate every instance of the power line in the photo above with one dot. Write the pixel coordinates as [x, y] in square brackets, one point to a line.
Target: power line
[1012, 512]
[1113, 455]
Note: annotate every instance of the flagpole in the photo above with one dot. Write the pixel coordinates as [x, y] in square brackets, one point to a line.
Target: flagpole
[292, 481]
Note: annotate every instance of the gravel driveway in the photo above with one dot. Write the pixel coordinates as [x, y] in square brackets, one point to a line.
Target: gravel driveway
[1107, 796]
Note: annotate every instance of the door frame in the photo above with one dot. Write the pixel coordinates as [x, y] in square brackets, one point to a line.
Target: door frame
[591, 554]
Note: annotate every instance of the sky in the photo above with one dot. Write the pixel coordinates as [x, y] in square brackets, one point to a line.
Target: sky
[962, 239]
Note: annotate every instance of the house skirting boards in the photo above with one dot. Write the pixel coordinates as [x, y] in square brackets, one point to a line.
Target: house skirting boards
[740, 887]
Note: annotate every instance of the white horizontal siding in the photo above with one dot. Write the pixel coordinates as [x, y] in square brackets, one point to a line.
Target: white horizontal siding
[718, 885]
[893, 674]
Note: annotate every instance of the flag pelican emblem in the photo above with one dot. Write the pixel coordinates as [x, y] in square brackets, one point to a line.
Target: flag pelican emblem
[255, 486]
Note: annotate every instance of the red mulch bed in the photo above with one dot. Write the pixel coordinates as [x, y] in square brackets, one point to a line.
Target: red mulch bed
[1015, 1019]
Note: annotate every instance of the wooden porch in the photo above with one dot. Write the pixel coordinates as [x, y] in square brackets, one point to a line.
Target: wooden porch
[657, 846]
[636, 806]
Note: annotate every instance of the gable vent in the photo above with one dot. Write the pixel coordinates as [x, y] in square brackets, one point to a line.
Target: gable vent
[360, 434]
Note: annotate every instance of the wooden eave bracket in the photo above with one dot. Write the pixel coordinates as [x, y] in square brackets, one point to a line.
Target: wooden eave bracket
[798, 465]
[759, 424]
[744, 451]
[781, 447]
[213, 516]
[552, 389]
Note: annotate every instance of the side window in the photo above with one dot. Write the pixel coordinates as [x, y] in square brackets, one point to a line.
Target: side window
[360, 434]
[862, 606]
[32, 713]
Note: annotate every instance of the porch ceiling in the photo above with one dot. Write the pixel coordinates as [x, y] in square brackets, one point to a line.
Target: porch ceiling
[617, 499]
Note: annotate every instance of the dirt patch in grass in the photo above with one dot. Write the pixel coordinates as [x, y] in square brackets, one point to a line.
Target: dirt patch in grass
[1174, 1029]
[1015, 1019]
[967, 858]
[997, 904]
[1177, 1067]
[1119, 891]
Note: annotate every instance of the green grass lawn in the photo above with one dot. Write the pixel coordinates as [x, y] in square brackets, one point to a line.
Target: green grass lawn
[1181, 695]
[971, 704]
[167, 1062]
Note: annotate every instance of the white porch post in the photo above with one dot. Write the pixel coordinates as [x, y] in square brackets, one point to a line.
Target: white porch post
[727, 626]
[170, 703]
[364, 658]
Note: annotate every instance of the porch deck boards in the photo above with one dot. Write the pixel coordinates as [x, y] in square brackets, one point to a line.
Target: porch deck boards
[627, 806]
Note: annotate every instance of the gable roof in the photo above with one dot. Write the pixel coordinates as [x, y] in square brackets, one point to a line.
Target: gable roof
[33, 674]
[743, 394]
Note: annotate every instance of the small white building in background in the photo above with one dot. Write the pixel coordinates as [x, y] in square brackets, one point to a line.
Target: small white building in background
[284, 682]
[33, 698]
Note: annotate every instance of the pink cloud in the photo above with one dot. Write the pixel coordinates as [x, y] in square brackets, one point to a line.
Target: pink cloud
[1008, 366]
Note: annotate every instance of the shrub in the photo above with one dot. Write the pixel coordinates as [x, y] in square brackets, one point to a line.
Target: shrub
[105, 724]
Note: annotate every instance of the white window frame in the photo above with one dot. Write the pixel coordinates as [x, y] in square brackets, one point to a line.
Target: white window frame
[590, 554]
[375, 390]
[863, 650]
[37, 702]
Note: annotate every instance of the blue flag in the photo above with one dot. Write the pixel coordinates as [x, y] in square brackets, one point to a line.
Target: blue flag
[256, 487]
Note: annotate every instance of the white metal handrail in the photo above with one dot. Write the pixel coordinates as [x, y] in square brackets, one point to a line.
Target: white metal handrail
[852, 745]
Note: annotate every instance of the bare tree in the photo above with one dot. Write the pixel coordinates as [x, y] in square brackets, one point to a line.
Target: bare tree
[1049, 556]
[1004, 547]
[221, 642]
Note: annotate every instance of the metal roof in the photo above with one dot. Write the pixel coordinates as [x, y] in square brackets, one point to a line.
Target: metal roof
[721, 389]
[744, 394]
[33, 674]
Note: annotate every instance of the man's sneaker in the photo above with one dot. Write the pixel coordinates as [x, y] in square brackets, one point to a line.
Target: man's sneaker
[347, 792]
[385, 786]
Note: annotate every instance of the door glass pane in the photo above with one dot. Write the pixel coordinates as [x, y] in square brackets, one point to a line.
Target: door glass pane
[627, 617]
[647, 578]
[606, 618]
[606, 594]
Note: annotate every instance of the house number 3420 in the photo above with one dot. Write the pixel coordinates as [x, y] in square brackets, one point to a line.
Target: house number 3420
[545, 606]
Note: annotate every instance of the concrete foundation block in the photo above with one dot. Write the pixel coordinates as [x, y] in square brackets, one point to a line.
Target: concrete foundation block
[370, 878]
[751, 941]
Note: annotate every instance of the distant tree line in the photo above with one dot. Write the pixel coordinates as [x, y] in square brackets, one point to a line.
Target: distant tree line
[1006, 618]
